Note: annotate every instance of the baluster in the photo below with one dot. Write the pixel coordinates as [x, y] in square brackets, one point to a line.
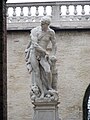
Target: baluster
[44, 13]
[37, 13]
[7, 12]
[67, 12]
[21, 14]
[14, 11]
[60, 10]
[51, 10]
[29, 11]
[75, 9]
[83, 12]
[89, 9]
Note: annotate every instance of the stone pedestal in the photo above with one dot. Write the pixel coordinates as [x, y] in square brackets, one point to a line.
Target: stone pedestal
[46, 111]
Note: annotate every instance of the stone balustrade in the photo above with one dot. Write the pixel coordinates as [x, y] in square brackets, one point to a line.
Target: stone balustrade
[64, 14]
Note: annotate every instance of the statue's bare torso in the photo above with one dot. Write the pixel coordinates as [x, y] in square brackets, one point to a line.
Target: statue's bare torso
[41, 37]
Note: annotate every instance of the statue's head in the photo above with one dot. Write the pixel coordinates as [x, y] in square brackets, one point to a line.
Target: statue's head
[46, 20]
[35, 90]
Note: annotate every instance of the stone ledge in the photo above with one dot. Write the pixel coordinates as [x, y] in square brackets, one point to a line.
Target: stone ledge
[57, 25]
[45, 103]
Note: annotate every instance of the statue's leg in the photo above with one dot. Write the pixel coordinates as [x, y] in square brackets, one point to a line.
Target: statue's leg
[49, 79]
[36, 70]
[33, 78]
[48, 72]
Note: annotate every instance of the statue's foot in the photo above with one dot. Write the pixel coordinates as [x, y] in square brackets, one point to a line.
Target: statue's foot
[50, 88]
[42, 96]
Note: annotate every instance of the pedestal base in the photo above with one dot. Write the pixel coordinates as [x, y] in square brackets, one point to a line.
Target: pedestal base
[46, 111]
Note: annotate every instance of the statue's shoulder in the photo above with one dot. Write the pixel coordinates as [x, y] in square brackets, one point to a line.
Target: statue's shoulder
[35, 30]
[52, 32]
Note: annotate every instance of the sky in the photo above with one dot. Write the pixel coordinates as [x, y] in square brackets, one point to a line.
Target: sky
[17, 1]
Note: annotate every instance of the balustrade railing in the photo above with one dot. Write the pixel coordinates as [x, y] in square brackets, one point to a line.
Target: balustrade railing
[59, 11]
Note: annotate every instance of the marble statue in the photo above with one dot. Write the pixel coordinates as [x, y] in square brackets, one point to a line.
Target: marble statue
[41, 63]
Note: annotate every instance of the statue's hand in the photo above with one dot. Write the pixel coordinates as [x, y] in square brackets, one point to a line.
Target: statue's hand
[46, 53]
[35, 44]
[52, 58]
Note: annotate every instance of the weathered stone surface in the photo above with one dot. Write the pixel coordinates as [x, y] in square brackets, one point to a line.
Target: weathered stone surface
[73, 62]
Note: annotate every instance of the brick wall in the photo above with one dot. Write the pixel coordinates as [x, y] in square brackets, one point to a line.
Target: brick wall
[73, 63]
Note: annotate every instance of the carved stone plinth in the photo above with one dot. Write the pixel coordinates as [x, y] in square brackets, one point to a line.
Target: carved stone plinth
[46, 111]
